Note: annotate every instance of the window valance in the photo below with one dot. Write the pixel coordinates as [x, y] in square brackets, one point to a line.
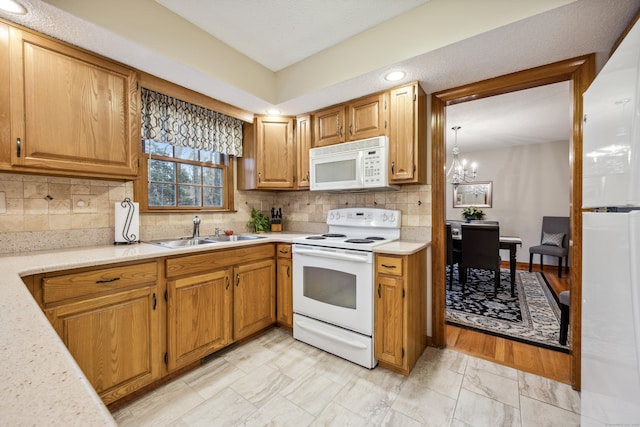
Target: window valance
[179, 123]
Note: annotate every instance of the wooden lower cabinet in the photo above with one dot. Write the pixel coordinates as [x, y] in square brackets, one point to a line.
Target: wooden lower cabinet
[400, 310]
[199, 316]
[254, 298]
[115, 336]
[284, 269]
[216, 298]
[115, 323]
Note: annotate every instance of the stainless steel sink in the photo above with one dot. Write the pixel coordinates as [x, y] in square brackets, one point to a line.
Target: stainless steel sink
[181, 243]
[233, 238]
[208, 240]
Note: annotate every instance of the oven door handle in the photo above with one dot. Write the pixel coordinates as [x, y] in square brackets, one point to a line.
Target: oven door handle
[332, 255]
[304, 325]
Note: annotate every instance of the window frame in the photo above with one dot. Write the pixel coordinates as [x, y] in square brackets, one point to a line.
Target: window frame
[142, 184]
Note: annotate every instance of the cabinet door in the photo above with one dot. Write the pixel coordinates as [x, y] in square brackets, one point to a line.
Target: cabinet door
[303, 144]
[199, 316]
[403, 134]
[275, 152]
[285, 293]
[254, 298]
[70, 110]
[389, 320]
[5, 101]
[367, 117]
[329, 126]
[114, 338]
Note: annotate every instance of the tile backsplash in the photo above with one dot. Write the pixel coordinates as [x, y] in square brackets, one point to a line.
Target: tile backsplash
[42, 212]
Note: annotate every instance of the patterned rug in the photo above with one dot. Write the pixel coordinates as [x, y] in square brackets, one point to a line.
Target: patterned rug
[531, 317]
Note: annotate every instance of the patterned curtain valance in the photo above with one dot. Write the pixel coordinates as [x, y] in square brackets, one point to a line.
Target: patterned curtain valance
[172, 121]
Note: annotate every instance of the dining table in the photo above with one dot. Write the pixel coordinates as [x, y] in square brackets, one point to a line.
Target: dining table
[509, 243]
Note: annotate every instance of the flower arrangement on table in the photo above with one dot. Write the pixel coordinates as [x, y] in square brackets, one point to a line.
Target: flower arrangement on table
[471, 212]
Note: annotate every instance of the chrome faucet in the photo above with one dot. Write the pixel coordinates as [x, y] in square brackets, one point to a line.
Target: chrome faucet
[196, 227]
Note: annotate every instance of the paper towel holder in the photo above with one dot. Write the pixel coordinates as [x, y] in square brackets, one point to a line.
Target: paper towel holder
[129, 238]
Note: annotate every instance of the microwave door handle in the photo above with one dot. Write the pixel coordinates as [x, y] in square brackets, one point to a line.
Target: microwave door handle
[331, 255]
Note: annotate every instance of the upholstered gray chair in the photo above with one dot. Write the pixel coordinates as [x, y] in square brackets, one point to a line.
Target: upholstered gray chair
[454, 255]
[480, 249]
[554, 241]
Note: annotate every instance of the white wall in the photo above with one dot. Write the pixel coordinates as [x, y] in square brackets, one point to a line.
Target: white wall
[529, 182]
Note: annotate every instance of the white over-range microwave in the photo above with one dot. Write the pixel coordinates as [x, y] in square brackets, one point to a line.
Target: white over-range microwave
[351, 166]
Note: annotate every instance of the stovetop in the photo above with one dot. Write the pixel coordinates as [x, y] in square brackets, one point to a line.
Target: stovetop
[357, 228]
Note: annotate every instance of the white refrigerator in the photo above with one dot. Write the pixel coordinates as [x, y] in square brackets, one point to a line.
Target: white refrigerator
[611, 242]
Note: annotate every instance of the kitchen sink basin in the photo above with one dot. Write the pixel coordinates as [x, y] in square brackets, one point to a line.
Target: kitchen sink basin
[181, 243]
[209, 240]
[233, 238]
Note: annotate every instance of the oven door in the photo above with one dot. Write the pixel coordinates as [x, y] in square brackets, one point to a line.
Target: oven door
[337, 171]
[334, 285]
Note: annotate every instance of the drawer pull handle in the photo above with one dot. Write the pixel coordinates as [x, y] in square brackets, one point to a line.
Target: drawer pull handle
[284, 251]
[108, 280]
[18, 147]
[388, 266]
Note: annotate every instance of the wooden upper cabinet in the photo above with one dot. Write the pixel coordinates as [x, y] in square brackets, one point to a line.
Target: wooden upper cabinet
[5, 100]
[367, 117]
[329, 126]
[269, 156]
[358, 119]
[72, 112]
[407, 135]
[303, 144]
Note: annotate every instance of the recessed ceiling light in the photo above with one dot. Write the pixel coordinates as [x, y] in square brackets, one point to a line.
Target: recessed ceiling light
[395, 76]
[273, 111]
[12, 6]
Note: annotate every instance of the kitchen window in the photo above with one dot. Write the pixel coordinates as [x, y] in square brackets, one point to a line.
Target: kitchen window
[183, 178]
[188, 155]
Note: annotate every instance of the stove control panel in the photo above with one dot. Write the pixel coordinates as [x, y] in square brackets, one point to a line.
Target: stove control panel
[365, 217]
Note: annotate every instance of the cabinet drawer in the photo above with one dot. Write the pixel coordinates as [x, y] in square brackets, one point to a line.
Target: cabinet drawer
[94, 282]
[283, 250]
[389, 265]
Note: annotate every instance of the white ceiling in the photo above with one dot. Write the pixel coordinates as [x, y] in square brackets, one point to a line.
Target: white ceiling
[533, 116]
[440, 43]
[279, 33]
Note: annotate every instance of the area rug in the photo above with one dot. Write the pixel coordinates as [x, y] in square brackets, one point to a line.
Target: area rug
[532, 316]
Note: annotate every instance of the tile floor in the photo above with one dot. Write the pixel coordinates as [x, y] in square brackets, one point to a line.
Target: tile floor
[277, 381]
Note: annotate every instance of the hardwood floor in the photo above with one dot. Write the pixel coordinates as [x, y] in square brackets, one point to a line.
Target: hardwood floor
[547, 363]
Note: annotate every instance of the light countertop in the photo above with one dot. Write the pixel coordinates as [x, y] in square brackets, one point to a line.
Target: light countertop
[42, 384]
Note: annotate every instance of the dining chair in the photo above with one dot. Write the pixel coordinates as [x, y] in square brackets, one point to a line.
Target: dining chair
[454, 255]
[480, 249]
[554, 241]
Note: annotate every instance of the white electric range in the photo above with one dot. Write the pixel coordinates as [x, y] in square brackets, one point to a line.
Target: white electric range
[333, 281]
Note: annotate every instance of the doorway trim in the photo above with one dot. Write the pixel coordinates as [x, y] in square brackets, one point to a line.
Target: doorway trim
[580, 72]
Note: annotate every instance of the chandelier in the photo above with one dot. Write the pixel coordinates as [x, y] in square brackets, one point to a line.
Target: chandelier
[457, 172]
